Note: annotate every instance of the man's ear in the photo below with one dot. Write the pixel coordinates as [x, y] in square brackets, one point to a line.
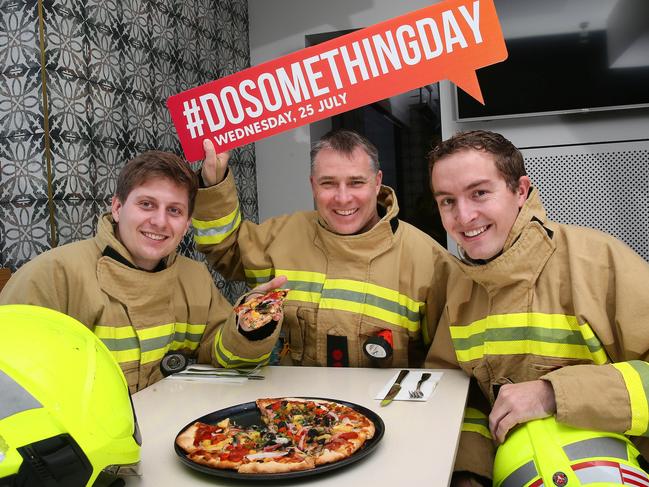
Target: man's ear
[115, 207]
[379, 179]
[523, 190]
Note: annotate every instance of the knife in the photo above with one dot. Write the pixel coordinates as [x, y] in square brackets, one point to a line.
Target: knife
[394, 390]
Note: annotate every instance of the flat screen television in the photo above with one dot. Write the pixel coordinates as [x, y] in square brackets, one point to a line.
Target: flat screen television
[590, 58]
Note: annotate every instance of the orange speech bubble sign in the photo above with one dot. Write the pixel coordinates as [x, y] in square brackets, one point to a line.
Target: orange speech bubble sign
[448, 40]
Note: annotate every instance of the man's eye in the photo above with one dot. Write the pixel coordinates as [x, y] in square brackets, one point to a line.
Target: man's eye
[479, 193]
[175, 211]
[357, 184]
[146, 204]
[445, 202]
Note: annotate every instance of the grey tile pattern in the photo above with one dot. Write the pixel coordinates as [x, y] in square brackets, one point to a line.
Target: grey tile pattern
[110, 66]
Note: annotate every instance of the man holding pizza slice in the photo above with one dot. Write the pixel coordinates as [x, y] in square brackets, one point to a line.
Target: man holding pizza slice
[357, 274]
[128, 284]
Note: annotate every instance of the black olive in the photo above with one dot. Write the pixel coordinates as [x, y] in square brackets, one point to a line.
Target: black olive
[312, 432]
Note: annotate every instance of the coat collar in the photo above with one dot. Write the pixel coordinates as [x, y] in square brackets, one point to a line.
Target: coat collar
[375, 241]
[528, 247]
[106, 238]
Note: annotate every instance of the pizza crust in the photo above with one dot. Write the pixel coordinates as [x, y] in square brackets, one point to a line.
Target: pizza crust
[185, 440]
[277, 467]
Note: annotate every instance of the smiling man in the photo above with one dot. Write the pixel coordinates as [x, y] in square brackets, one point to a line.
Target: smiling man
[129, 286]
[358, 276]
[551, 319]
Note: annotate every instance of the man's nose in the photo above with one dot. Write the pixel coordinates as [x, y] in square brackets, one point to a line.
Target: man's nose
[464, 212]
[342, 193]
[159, 217]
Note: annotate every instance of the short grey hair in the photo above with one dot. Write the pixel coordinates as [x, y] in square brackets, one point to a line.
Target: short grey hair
[346, 142]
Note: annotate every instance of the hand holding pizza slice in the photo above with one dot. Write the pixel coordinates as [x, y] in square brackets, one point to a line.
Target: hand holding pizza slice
[262, 306]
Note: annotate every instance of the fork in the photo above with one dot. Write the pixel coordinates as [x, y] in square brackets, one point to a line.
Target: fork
[417, 394]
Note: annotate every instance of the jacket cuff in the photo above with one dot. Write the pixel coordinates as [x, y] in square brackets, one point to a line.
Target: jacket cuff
[216, 201]
[591, 397]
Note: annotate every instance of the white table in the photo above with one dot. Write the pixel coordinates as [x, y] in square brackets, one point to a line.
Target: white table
[418, 448]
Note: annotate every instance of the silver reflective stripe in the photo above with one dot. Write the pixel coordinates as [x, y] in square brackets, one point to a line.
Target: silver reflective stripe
[521, 476]
[597, 447]
[15, 398]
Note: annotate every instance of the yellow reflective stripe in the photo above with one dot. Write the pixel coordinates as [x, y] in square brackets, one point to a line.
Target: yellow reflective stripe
[506, 334]
[476, 421]
[373, 289]
[306, 276]
[474, 413]
[529, 347]
[255, 273]
[513, 320]
[153, 355]
[228, 359]
[637, 397]
[192, 329]
[122, 356]
[371, 300]
[149, 344]
[216, 231]
[219, 222]
[369, 310]
[304, 296]
[477, 428]
[156, 331]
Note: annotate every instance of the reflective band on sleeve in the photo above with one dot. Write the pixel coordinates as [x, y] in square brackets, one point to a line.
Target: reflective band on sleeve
[15, 398]
[258, 276]
[636, 378]
[550, 335]
[476, 421]
[216, 231]
[228, 359]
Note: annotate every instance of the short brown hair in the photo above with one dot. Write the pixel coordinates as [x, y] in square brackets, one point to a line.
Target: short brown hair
[508, 159]
[345, 142]
[157, 164]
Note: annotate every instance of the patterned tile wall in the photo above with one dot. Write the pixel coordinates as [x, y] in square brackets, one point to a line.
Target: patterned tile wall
[109, 67]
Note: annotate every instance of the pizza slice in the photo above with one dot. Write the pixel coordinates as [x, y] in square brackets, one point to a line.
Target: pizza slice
[217, 446]
[326, 430]
[260, 310]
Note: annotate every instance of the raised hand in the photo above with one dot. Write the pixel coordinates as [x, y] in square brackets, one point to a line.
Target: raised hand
[215, 165]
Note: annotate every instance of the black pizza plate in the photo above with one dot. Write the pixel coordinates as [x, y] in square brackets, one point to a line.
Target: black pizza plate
[247, 414]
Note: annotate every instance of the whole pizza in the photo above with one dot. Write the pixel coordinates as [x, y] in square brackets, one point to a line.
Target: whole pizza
[296, 434]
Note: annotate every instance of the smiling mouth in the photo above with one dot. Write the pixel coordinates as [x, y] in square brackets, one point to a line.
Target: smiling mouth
[154, 236]
[476, 232]
[345, 212]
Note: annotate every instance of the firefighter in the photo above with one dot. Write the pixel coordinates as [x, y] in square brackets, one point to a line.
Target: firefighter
[548, 320]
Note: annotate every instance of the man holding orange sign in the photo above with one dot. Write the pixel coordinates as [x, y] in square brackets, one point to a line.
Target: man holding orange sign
[358, 276]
